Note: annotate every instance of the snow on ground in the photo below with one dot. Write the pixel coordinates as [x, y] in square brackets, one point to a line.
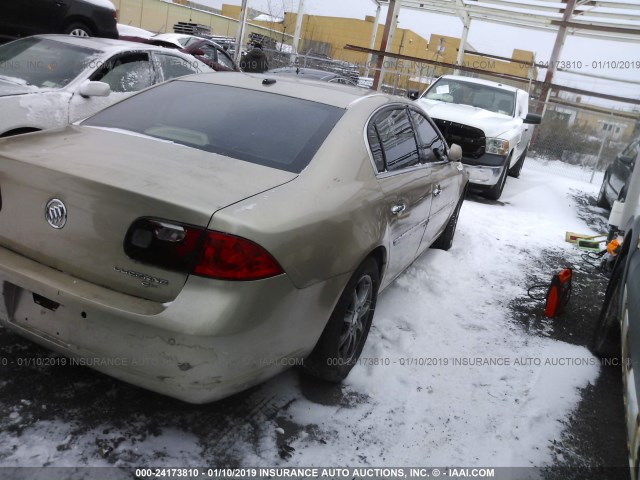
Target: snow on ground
[447, 376]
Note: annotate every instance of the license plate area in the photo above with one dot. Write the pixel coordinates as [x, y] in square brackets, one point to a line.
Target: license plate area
[39, 314]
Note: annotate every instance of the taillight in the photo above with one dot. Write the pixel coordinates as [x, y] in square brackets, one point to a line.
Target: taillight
[234, 258]
[191, 249]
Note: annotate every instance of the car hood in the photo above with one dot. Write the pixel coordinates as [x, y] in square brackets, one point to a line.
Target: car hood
[491, 123]
[7, 89]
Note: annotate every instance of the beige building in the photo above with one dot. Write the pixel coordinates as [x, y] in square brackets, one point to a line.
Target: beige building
[325, 36]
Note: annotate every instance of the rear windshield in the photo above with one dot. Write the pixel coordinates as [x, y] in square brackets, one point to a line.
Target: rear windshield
[254, 126]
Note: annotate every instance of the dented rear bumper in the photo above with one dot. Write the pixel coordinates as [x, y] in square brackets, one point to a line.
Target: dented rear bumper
[215, 339]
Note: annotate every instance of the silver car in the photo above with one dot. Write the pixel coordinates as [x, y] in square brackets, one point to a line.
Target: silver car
[201, 236]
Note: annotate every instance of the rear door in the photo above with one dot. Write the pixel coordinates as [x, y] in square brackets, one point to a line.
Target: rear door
[173, 66]
[405, 182]
[443, 174]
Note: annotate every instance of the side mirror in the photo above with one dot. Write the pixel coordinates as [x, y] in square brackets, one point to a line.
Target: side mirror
[455, 152]
[533, 119]
[94, 89]
[413, 94]
[198, 52]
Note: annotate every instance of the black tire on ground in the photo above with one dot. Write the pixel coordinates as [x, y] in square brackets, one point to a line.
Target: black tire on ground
[445, 240]
[606, 337]
[496, 191]
[343, 338]
[517, 168]
[602, 201]
[78, 29]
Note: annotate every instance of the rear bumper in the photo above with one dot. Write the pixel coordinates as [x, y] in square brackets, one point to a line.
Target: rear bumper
[215, 339]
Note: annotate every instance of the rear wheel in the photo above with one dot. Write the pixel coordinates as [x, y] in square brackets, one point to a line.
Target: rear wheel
[602, 201]
[445, 240]
[78, 29]
[343, 338]
[496, 191]
[517, 168]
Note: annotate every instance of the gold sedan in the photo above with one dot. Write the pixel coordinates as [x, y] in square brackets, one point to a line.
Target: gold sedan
[205, 234]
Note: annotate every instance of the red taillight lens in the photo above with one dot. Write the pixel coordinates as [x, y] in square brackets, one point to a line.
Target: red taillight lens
[234, 258]
[191, 249]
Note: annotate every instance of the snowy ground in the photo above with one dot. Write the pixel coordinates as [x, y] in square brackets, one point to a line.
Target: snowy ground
[448, 376]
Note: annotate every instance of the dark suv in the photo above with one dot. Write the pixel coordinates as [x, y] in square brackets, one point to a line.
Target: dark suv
[616, 177]
[84, 18]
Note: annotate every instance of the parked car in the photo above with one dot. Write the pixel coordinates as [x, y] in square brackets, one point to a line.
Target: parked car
[48, 81]
[205, 50]
[83, 18]
[616, 178]
[621, 313]
[489, 120]
[313, 74]
[198, 237]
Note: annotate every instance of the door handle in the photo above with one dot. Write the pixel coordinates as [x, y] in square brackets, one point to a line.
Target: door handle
[398, 208]
[437, 191]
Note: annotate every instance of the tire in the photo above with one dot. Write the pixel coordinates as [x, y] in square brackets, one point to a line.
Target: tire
[343, 338]
[78, 29]
[517, 168]
[606, 337]
[496, 191]
[445, 240]
[602, 201]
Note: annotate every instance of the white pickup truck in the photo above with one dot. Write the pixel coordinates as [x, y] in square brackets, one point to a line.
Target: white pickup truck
[489, 120]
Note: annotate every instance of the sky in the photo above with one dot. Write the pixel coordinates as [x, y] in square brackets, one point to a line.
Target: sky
[490, 38]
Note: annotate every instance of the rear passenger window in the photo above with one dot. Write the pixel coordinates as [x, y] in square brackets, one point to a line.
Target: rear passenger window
[431, 146]
[395, 140]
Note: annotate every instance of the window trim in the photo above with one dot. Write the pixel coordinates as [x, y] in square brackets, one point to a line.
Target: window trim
[438, 132]
[150, 58]
[385, 174]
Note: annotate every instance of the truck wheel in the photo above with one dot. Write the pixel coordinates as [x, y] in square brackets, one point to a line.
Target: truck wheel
[517, 168]
[343, 338]
[496, 191]
[602, 201]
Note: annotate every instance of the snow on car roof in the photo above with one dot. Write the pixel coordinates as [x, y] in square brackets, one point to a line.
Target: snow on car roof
[341, 96]
[482, 82]
[106, 45]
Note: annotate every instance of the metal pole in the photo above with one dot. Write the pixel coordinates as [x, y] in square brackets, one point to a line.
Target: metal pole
[242, 23]
[296, 34]
[463, 43]
[599, 159]
[372, 44]
[555, 54]
[387, 39]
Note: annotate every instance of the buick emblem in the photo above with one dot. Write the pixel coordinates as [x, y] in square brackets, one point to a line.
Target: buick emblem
[56, 213]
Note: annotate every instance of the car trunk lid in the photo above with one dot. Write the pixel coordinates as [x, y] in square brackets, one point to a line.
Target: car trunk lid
[106, 180]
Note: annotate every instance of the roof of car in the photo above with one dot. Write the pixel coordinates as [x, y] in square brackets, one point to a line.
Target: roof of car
[482, 82]
[341, 96]
[103, 44]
